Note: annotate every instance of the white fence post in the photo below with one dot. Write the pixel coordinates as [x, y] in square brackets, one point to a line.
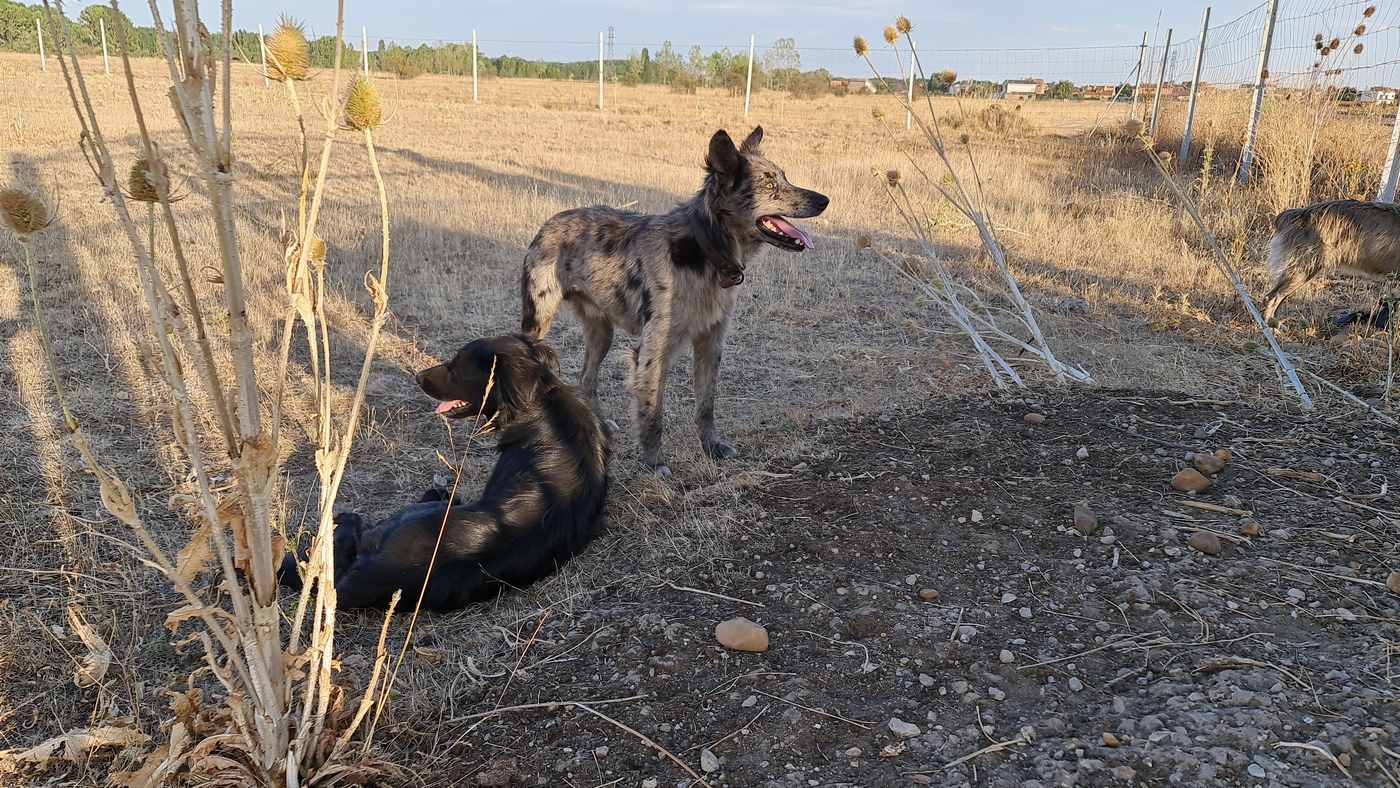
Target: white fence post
[262, 51]
[600, 71]
[364, 50]
[748, 84]
[106, 64]
[1185, 151]
[43, 59]
[475, 100]
[1161, 78]
[1247, 155]
[1392, 167]
[1137, 81]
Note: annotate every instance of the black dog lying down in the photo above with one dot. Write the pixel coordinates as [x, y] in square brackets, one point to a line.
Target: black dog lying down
[541, 506]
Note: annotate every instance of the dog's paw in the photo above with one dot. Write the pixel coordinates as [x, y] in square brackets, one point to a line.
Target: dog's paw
[719, 450]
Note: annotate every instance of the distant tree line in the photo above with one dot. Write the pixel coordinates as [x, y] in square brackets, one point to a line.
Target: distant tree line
[779, 68]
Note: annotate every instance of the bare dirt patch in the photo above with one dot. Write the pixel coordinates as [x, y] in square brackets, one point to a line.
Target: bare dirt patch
[1124, 657]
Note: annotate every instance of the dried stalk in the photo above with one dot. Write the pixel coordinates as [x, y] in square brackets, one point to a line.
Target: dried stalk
[1223, 263]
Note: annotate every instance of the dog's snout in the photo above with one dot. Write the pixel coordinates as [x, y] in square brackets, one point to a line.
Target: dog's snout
[818, 202]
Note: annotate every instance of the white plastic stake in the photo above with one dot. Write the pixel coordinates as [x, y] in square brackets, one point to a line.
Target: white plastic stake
[1185, 151]
[909, 111]
[43, 59]
[106, 64]
[1161, 78]
[262, 49]
[364, 50]
[475, 100]
[1391, 174]
[1247, 155]
[748, 84]
[600, 71]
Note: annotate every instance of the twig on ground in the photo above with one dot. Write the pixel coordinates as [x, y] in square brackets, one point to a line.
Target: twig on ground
[1298, 745]
[858, 723]
[712, 745]
[688, 589]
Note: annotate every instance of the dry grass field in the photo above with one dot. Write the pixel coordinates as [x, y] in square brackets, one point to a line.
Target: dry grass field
[1123, 282]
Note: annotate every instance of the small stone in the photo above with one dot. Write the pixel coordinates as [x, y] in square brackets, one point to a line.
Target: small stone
[1075, 685]
[1006, 657]
[926, 681]
[996, 694]
[1109, 740]
[650, 782]
[1204, 542]
[928, 595]
[741, 634]
[1207, 463]
[1250, 528]
[1255, 770]
[1007, 598]
[1083, 453]
[1086, 523]
[750, 702]
[902, 729]
[854, 752]
[966, 632]
[601, 752]
[1034, 418]
[976, 516]
[1393, 582]
[1190, 480]
[708, 761]
[1025, 612]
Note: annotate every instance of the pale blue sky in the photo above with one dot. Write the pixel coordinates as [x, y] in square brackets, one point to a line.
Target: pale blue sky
[568, 29]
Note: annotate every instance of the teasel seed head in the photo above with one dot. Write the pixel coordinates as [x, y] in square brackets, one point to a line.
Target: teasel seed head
[892, 177]
[139, 184]
[288, 54]
[862, 48]
[1369, 12]
[362, 108]
[891, 35]
[903, 24]
[1356, 50]
[1359, 31]
[23, 213]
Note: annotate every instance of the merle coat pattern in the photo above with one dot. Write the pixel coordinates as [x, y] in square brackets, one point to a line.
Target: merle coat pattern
[542, 504]
[666, 278]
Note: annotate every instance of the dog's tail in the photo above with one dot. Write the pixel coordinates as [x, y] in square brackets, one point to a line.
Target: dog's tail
[540, 290]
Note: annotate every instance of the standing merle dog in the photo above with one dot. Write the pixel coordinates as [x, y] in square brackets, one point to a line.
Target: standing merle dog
[668, 278]
[541, 506]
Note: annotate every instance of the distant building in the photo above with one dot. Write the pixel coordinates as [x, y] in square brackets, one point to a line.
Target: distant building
[1023, 88]
[1379, 95]
[1169, 90]
[1098, 92]
[852, 85]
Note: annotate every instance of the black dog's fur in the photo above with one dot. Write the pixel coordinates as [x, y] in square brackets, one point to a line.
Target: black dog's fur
[541, 506]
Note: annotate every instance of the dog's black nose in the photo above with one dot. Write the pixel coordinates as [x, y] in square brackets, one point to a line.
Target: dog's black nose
[819, 202]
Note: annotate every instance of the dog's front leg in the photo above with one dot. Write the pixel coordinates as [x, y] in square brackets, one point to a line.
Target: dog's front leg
[709, 350]
[648, 390]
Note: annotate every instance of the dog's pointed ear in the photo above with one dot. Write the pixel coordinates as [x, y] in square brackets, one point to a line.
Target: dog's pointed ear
[723, 156]
[752, 141]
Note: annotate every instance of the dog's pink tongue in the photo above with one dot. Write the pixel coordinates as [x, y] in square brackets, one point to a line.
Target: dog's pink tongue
[444, 407]
[788, 228]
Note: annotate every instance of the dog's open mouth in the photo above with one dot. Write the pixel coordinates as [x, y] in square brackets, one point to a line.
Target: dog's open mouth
[455, 409]
[783, 234]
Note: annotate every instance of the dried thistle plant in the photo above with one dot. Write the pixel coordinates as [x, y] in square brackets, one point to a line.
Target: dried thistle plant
[977, 321]
[891, 35]
[279, 720]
